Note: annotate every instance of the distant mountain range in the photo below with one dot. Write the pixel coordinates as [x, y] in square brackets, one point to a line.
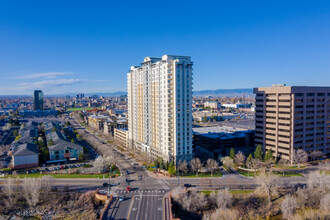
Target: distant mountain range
[225, 92]
[218, 92]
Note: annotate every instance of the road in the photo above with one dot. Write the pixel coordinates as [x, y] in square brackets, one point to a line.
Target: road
[144, 201]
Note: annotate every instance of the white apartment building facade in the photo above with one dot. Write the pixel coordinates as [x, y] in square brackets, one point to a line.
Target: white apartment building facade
[159, 107]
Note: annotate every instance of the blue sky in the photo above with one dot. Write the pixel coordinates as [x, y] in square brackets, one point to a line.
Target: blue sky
[89, 46]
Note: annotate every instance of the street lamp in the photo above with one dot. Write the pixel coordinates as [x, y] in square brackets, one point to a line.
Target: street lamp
[178, 174]
[109, 180]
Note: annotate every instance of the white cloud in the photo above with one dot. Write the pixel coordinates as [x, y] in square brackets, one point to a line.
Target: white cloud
[50, 83]
[51, 75]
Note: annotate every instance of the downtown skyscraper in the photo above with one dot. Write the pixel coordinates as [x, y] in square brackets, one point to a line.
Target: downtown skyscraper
[159, 107]
[38, 100]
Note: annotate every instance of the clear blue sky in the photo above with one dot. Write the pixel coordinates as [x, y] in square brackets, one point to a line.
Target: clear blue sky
[89, 46]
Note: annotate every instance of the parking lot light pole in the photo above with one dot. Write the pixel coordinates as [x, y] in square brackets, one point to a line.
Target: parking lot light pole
[109, 181]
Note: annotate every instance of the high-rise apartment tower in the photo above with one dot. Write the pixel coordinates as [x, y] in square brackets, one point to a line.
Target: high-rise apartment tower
[159, 107]
[38, 100]
[293, 117]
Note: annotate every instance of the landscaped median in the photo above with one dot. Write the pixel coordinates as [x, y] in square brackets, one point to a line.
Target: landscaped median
[251, 173]
[233, 192]
[193, 175]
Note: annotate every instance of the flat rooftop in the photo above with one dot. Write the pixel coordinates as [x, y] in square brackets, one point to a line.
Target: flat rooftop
[222, 132]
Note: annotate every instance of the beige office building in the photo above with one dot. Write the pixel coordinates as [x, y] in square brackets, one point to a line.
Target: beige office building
[293, 117]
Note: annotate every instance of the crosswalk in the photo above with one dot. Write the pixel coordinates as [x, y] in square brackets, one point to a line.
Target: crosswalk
[140, 191]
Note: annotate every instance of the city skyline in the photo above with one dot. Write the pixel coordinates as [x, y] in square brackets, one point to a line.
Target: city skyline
[78, 52]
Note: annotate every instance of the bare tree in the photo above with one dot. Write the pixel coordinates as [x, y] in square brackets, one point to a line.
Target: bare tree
[254, 164]
[47, 182]
[222, 199]
[9, 189]
[177, 193]
[324, 166]
[315, 154]
[302, 197]
[195, 165]
[318, 181]
[300, 156]
[183, 166]
[211, 164]
[99, 164]
[227, 161]
[191, 201]
[268, 184]
[223, 214]
[31, 188]
[325, 203]
[288, 206]
[240, 158]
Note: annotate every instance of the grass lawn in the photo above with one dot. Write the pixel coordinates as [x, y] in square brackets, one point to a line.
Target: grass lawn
[233, 192]
[288, 166]
[286, 173]
[246, 173]
[192, 175]
[6, 169]
[227, 168]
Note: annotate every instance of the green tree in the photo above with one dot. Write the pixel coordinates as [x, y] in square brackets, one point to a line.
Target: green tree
[50, 142]
[15, 133]
[204, 119]
[72, 141]
[258, 153]
[232, 153]
[53, 129]
[248, 160]
[171, 169]
[16, 122]
[167, 165]
[269, 155]
[171, 164]
[11, 121]
[214, 118]
[81, 157]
